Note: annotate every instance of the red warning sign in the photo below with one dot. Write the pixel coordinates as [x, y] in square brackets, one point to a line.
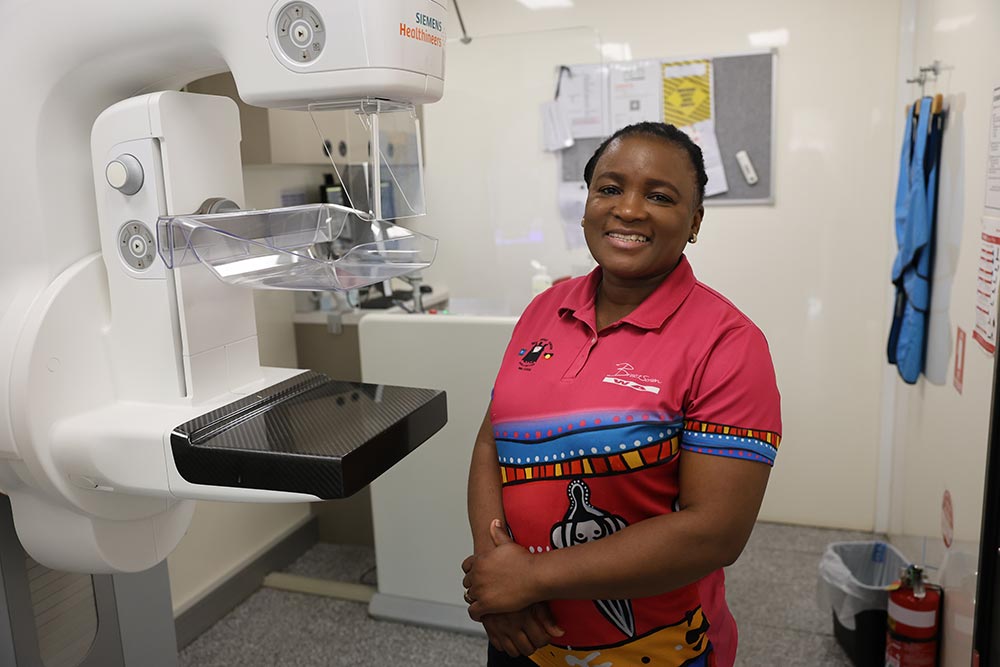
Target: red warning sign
[947, 520]
[959, 360]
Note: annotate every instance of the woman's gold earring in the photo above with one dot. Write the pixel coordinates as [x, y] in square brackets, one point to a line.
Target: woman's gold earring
[693, 238]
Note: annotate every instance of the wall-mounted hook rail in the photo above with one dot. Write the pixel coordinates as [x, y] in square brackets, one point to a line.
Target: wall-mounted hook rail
[929, 72]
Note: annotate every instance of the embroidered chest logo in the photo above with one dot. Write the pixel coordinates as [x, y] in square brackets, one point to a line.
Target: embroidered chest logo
[539, 349]
[625, 376]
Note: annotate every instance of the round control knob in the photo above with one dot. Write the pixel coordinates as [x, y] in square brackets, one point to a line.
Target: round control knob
[124, 174]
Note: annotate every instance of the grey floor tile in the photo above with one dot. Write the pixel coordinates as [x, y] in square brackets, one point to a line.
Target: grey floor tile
[337, 562]
[777, 589]
[764, 646]
[280, 629]
[771, 590]
[782, 537]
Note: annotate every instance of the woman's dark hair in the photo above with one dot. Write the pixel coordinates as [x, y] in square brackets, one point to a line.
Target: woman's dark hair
[664, 131]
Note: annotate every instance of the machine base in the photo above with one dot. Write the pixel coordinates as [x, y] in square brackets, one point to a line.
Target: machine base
[56, 618]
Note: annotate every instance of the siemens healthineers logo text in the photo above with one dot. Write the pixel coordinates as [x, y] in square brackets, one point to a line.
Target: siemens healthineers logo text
[420, 34]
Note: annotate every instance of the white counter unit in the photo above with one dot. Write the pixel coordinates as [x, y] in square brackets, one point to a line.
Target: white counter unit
[431, 301]
[419, 507]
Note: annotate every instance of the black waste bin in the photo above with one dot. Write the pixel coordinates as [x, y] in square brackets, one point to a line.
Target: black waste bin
[854, 581]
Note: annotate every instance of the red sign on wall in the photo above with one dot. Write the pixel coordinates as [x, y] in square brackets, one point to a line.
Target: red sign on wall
[959, 360]
[947, 520]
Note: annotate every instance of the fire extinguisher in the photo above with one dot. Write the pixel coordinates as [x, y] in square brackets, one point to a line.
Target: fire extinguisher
[914, 621]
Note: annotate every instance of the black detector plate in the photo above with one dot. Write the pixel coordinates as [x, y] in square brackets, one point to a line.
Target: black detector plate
[309, 434]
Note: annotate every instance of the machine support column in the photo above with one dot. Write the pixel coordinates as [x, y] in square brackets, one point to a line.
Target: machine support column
[55, 619]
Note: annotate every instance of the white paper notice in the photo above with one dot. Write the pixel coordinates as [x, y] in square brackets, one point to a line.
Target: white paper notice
[703, 134]
[556, 134]
[572, 202]
[987, 279]
[583, 97]
[636, 93]
[993, 166]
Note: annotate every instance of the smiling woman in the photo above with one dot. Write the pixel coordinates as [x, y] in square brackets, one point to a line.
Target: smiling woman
[646, 187]
[613, 478]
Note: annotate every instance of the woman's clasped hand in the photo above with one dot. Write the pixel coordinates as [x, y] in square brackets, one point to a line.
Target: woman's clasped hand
[516, 622]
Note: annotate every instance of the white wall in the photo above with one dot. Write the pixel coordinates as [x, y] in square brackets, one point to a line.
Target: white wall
[812, 270]
[222, 540]
[224, 537]
[940, 436]
[940, 433]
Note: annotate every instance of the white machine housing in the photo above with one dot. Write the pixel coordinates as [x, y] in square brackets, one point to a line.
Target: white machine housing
[100, 360]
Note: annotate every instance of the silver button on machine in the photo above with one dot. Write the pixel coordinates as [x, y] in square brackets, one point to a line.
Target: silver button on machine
[302, 34]
[124, 174]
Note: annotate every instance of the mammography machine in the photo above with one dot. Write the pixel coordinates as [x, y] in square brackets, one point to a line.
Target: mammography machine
[129, 376]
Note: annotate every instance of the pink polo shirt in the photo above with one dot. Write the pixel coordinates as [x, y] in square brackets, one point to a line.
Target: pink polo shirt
[589, 427]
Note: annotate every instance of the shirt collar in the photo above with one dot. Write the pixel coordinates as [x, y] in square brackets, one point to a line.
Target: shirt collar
[650, 314]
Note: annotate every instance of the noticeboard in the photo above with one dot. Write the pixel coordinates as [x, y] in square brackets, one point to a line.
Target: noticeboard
[726, 103]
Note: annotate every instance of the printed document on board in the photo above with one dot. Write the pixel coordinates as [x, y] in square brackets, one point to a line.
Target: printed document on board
[993, 164]
[687, 92]
[584, 100]
[987, 280]
[687, 103]
[636, 91]
[703, 134]
[572, 202]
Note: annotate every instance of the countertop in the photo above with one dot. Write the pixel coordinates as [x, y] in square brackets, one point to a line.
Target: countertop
[352, 317]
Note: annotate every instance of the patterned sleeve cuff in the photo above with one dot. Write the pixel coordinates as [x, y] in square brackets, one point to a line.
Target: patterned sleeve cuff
[734, 442]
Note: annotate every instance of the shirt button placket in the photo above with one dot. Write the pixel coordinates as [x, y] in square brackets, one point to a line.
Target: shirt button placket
[581, 359]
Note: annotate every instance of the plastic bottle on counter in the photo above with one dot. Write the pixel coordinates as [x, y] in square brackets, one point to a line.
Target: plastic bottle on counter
[541, 281]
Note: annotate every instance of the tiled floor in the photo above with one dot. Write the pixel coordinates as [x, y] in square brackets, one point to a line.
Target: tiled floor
[771, 590]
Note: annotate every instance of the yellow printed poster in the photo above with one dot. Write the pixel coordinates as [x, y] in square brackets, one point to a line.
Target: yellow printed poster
[687, 92]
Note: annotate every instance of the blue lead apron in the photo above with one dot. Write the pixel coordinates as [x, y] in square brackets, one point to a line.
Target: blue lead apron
[911, 271]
